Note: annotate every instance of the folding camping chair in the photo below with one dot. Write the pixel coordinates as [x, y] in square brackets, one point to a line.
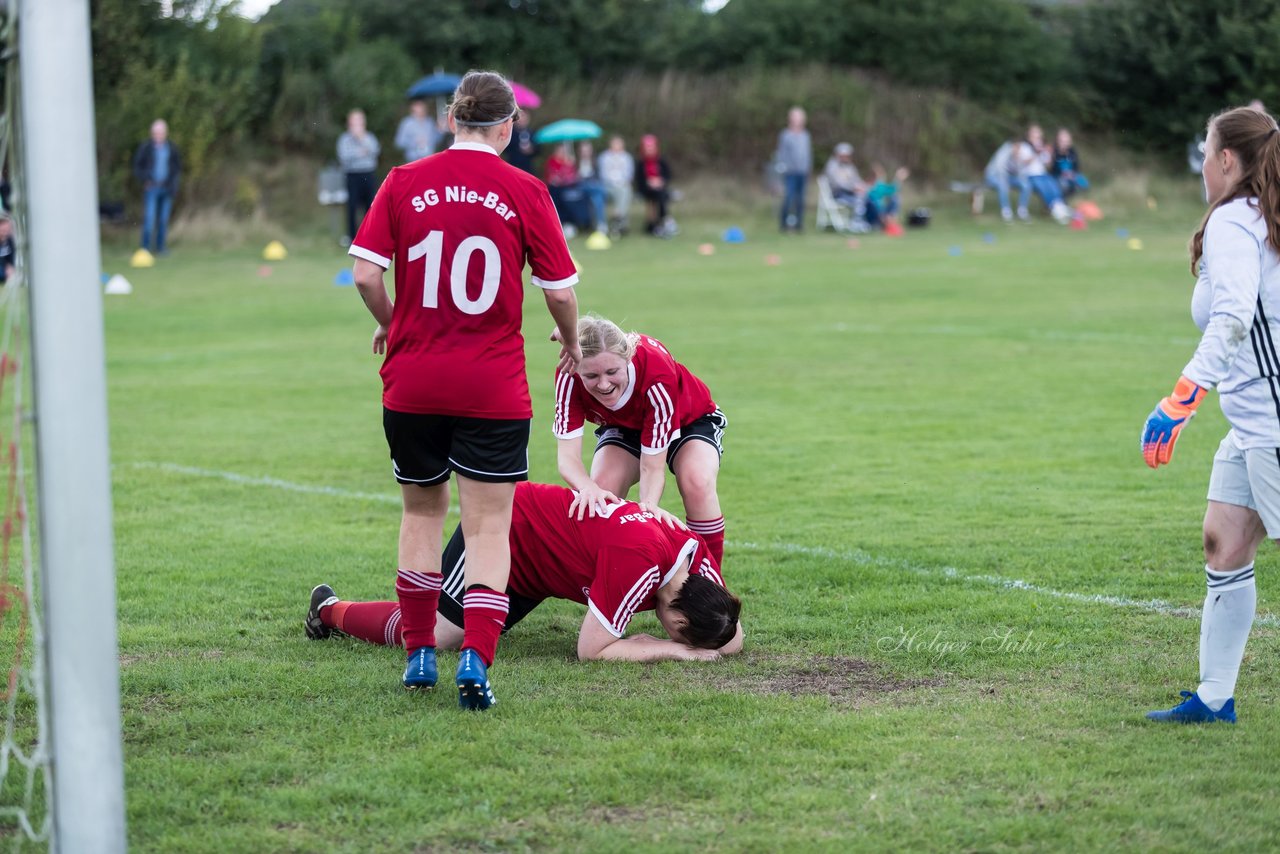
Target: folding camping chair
[831, 214]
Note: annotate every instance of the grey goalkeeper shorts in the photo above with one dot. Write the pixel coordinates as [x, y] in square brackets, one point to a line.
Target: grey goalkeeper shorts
[1248, 478]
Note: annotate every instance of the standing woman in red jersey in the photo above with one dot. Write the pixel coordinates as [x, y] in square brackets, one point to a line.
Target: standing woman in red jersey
[652, 411]
[460, 226]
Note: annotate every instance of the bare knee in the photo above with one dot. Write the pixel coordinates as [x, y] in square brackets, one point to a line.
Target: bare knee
[1222, 553]
[697, 485]
[1232, 535]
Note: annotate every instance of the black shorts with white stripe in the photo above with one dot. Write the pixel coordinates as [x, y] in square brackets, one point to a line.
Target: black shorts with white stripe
[453, 564]
[426, 448]
[709, 428]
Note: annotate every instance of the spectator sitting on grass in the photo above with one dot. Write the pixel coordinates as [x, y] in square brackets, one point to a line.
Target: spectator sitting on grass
[847, 186]
[1032, 157]
[882, 198]
[1002, 176]
[561, 176]
[1065, 165]
[589, 181]
[653, 183]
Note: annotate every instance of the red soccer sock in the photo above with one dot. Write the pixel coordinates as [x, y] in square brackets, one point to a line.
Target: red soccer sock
[712, 532]
[484, 612]
[375, 622]
[419, 595]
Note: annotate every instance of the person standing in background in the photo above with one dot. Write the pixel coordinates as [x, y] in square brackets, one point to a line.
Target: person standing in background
[157, 165]
[358, 152]
[617, 173]
[418, 134]
[523, 149]
[795, 162]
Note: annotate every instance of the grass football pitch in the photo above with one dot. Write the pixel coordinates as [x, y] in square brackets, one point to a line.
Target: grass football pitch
[962, 588]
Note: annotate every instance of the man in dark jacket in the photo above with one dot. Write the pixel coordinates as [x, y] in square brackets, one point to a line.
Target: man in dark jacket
[157, 165]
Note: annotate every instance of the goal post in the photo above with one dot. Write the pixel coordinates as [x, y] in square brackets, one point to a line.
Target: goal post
[58, 183]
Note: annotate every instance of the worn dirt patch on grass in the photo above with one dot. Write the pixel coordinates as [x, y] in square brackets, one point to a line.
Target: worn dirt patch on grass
[841, 679]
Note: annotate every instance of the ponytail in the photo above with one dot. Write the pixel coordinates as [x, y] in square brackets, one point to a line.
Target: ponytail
[1253, 136]
[483, 99]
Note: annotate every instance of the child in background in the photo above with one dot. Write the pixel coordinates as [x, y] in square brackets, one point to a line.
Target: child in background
[882, 198]
[1065, 165]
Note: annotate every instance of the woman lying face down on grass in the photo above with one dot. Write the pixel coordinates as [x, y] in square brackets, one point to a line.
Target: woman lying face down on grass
[618, 562]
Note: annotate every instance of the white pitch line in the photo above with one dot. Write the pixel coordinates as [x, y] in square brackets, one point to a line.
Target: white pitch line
[272, 482]
[853, 556]
[861, 558]
[1083, 337]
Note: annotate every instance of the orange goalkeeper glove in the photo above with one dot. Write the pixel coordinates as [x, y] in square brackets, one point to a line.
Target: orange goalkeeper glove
[1166, 421]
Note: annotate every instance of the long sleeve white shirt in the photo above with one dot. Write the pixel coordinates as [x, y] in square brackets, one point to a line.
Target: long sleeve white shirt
[1236, 304]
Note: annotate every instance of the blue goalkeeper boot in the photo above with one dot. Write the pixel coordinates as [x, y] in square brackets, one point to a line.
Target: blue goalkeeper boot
[420, 671]
[1192, 710]
[474, 691]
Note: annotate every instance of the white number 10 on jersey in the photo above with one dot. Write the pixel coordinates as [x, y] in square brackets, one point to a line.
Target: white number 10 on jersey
[432, 248]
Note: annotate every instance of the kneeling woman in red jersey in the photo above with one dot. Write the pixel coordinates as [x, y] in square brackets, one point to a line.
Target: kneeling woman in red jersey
[617, 563]
[460, 226]
[651, 410]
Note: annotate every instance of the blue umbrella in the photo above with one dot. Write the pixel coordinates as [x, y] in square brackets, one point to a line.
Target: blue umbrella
[434, 85]
[568, 130]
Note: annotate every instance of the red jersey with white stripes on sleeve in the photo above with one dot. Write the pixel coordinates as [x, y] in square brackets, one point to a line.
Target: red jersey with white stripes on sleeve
[661, 396]
[460, 226]
[614, 564]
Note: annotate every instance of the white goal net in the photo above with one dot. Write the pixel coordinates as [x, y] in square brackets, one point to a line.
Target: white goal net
[25, 817]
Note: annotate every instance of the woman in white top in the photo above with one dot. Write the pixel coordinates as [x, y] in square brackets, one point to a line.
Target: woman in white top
[1237, 306]
[1031, 156]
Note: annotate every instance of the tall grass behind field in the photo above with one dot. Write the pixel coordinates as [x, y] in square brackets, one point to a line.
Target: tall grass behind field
[728, 122]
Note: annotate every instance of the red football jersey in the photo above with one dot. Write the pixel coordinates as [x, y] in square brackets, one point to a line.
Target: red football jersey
[613, 564]
[661, 396]
[460, 226]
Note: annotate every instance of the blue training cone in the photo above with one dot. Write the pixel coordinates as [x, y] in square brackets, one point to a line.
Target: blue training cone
[344, 277]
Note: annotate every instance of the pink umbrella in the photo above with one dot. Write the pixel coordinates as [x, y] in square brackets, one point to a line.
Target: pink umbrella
[526, 98]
